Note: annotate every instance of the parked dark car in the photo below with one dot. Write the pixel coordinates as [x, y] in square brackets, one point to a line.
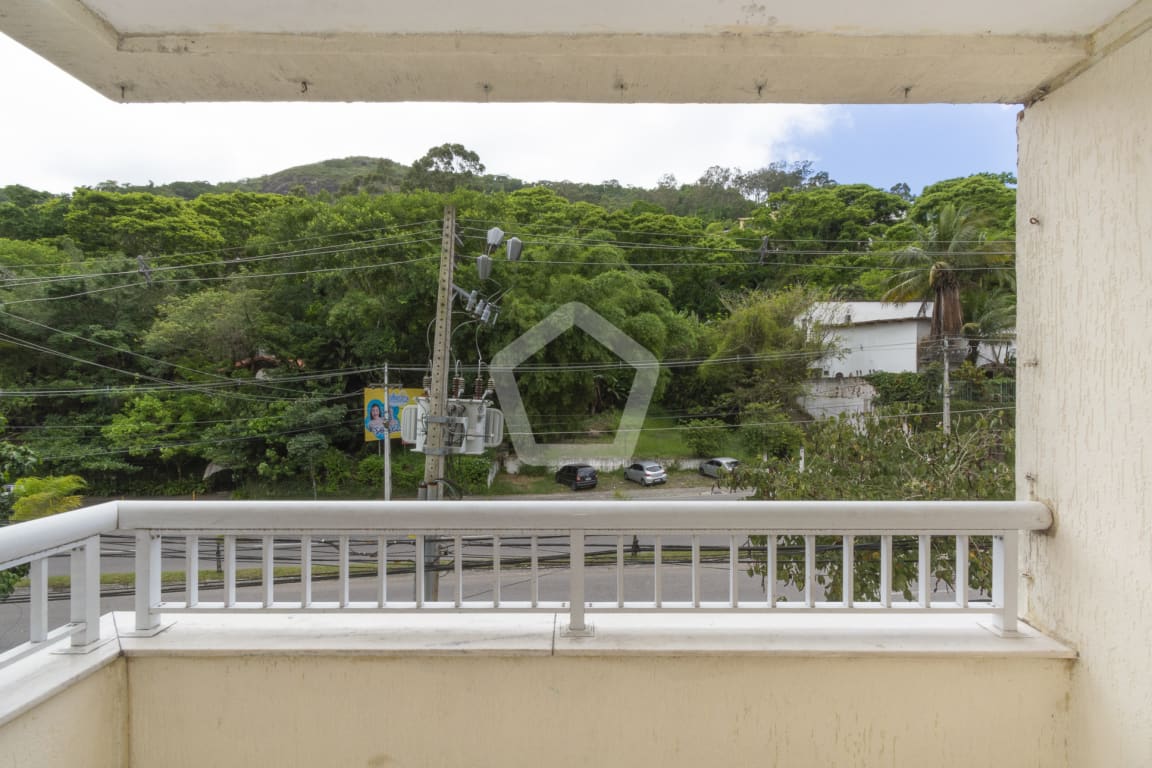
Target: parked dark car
[646, 473]
[577, 476]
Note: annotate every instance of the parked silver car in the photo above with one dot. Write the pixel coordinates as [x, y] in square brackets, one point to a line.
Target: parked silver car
[646, 473]
[719, 466]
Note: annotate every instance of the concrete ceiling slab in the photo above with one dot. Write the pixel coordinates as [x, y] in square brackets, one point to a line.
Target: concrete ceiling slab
[665, 51]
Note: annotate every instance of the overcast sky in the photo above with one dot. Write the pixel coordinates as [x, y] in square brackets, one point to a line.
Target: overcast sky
[56, 134]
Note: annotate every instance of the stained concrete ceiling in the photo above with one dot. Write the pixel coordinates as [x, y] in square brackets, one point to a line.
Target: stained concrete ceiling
[671, 51]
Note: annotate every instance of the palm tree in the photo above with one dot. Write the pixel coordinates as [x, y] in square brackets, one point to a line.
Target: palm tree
[945, 260]
[992, 320]
[42, 496]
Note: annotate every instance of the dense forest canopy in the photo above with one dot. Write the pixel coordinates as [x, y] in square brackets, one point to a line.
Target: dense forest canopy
[152, 333]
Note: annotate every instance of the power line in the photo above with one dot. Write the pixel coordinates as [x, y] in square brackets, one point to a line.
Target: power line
[146, 358]
[240, 276]
[753, 240]
[184, 254]
[776, 423]
[333, 250]
[617, 365]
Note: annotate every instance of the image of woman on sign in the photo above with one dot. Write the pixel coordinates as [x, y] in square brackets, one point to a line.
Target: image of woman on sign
[377, 422]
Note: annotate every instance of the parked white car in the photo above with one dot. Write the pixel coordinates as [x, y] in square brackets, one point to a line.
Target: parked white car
[719, 466]
[646, 473]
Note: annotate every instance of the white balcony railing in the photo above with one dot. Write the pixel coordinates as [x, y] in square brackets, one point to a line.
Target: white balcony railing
[368, 544]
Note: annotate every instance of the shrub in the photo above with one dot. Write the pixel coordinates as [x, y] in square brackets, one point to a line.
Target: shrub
[705, 437]
[765, 430]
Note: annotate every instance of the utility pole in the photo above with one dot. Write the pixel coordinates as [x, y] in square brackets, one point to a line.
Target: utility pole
[388, 438]
[947, 391]
[433, 489]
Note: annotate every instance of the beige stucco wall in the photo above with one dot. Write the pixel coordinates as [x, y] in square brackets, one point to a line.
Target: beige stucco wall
[599, 711]
[1085, 392]
[84, 725]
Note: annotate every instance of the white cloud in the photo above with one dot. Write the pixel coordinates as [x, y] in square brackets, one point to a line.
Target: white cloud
[59, 134]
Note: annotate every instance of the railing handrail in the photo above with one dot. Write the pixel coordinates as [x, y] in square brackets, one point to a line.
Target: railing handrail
[22, 542]
[588, 515]
[26, 541]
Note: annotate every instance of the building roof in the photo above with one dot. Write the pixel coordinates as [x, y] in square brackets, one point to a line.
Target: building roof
[862, 312]
[657, 51]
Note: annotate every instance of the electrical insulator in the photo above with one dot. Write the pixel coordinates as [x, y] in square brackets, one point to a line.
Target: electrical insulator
[478, 388]
[427, 383]
[515, 246]
[457, 386]
[491, 384]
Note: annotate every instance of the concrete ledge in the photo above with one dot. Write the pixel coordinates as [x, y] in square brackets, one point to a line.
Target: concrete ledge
[41, 676]
[294, 634]
[817, 635]
[616, 634]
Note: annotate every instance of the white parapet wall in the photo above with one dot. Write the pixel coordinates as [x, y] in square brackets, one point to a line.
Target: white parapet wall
[85, 723]
[513, 690]
[1084, 409]
[602, 711]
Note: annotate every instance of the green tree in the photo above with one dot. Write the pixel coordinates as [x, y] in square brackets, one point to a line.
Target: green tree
[761, 352]
[444, 168]
[758, 184]
[830, 218]
[139, 223]
[213, 328]
[885, 456]
[990, 199]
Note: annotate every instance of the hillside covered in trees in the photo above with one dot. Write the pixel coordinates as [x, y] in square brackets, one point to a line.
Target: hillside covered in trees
[174, 338]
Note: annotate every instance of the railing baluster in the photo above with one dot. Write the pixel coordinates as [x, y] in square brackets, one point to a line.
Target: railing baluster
[458, 565]
[229, 571]
[382, 571]
[733, 572]
[419, 560]
[962, 571]
[38, 600]
[924, 571]
[620, 571]
[576, 623]
[192, 571]
[886, 571]
[344, 575]
[658, 576]
[268, 570]
[770, 569]
[85, 608]
[848, 571]
[1005, 570]
[535, 572]
[810, 571]
[496, 571]
[695, 571]
[305, 571]
[147, 580]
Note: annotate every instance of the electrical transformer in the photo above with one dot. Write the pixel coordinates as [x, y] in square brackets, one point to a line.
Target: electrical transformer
[470, 426]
